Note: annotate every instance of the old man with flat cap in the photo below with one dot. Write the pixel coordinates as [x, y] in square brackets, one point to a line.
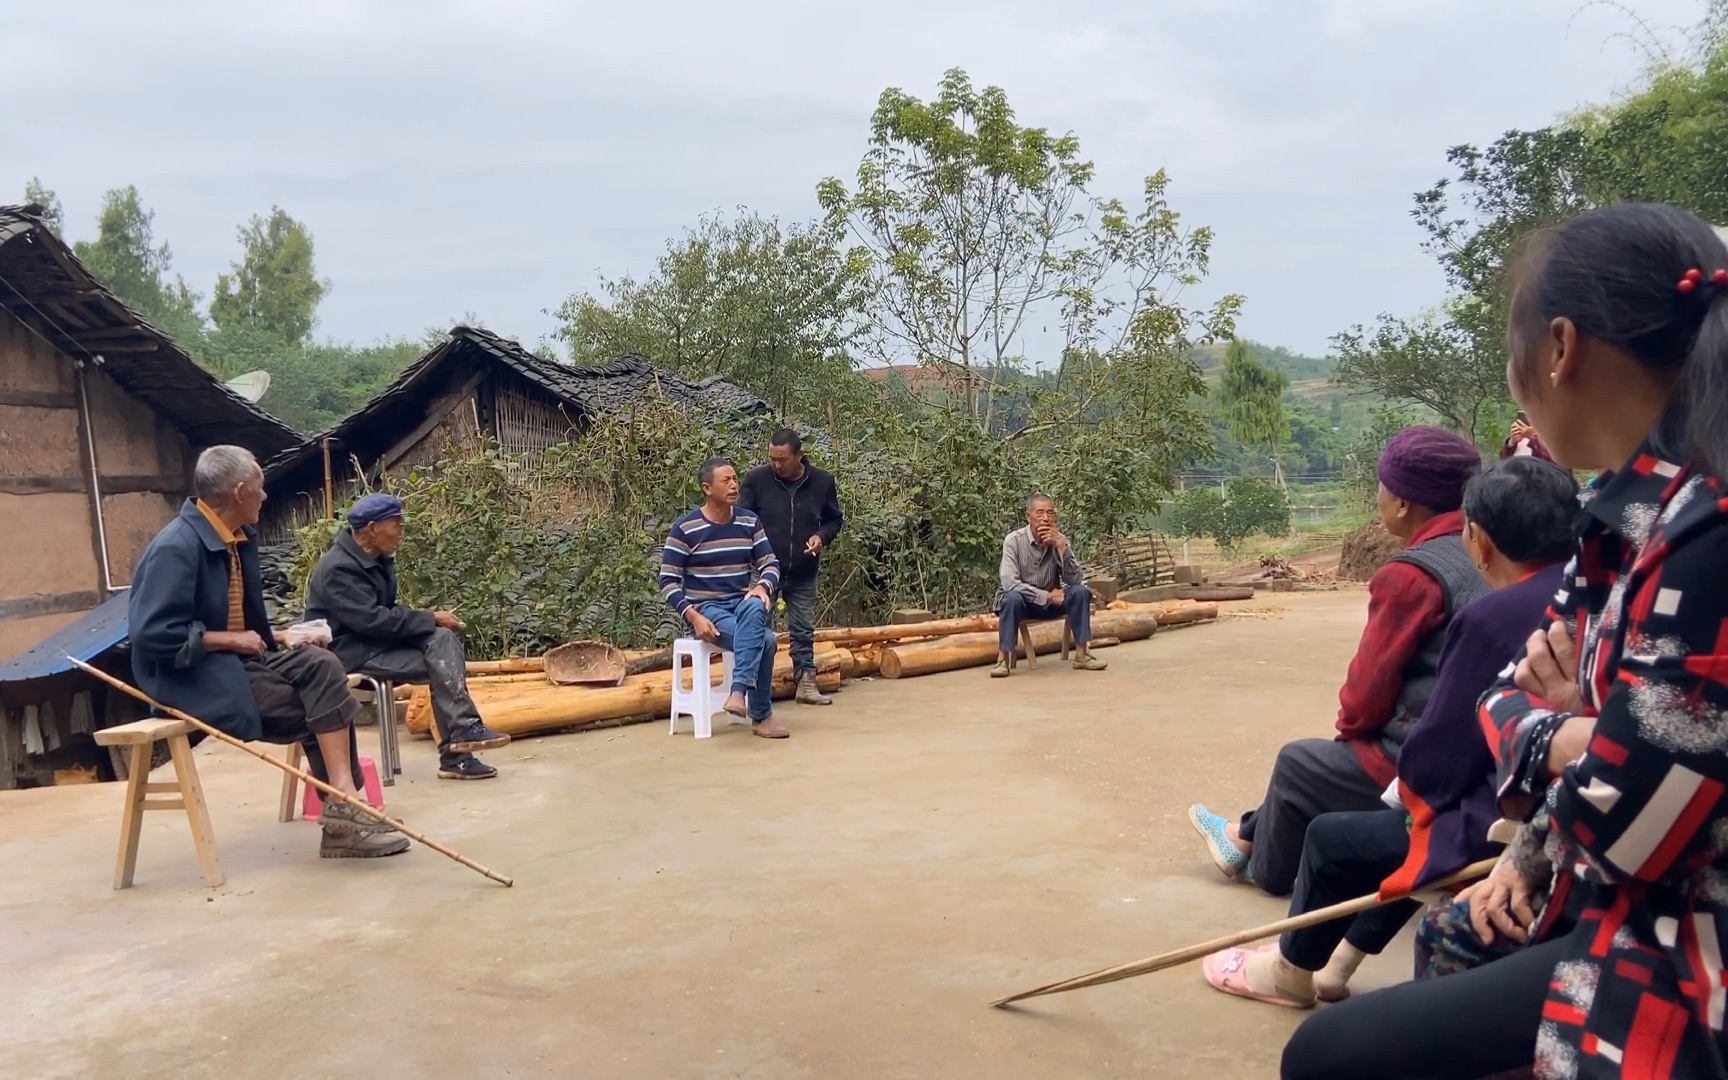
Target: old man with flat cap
[354, 589]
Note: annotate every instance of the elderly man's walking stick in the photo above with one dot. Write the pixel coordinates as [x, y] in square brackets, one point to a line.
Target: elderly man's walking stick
[1244, 937]
[305, 777]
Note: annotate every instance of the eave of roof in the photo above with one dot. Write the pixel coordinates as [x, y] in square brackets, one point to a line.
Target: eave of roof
[45, 286]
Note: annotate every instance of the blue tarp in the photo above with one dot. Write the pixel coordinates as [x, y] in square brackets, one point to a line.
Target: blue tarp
[95, 632]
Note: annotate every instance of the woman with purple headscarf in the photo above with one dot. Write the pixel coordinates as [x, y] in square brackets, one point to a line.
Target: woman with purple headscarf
[1411, 601]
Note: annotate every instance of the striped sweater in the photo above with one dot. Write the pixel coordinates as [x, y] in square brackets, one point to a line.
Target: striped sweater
[704, 561]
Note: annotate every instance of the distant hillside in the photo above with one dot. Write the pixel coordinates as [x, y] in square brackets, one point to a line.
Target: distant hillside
[1300, 369]
[1310, 384]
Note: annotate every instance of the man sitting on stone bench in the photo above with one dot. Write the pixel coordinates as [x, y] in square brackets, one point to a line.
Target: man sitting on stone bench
[201, 643]
[354, 590]
[1042, 579]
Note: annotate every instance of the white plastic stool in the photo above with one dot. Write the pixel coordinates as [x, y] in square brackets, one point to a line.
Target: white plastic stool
[703, 699]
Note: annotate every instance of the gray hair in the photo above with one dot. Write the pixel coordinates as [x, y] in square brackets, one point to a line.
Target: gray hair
[1036, 498]
[219, 469]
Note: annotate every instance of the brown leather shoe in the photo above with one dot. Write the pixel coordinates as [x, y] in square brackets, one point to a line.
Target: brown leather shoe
[770, 728]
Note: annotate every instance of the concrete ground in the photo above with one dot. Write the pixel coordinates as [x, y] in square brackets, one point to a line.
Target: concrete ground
[840, 905]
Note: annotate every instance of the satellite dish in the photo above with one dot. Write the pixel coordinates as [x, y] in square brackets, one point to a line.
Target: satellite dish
[251, 385]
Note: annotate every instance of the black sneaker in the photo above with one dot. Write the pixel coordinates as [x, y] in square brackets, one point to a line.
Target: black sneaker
[471, 738]
[466, 767]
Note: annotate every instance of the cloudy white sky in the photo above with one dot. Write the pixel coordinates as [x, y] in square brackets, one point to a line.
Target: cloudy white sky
[491, 156]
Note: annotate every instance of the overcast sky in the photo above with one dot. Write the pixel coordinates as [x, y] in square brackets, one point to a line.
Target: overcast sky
[491, 156]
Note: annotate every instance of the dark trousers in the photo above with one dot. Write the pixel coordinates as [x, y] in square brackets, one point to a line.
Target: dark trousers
[1310, 777]
[1473, 1024]
[1345, 856]
[301, 692]
[800, 597]
[1012, 609]
[441, 663]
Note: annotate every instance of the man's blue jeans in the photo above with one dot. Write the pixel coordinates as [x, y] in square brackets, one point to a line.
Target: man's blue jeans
[1012, 610]
[746, 631]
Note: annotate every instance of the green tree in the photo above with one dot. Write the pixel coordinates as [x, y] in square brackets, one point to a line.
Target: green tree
[275, 285]
[980, 228]
[773, 309]
[1446, 362]
[36, 194]
[1242, 507]
[1251, 396]
[312, 386]
[1667, 142]
[126, 257]
[1316, 446]
[970, 218]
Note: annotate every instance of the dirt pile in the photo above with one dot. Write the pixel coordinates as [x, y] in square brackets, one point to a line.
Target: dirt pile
[1365, 551]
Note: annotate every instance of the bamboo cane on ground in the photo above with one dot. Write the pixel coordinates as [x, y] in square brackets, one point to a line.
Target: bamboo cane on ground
[305, 777]
[1243, 937]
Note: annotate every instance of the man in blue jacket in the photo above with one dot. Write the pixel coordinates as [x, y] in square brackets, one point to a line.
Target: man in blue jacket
[799, 507]
[201, 642]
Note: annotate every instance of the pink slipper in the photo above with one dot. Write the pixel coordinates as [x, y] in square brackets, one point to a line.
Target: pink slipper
[1228, 971]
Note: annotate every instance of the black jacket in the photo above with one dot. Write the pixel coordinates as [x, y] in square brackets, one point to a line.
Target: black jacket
[792, 512]
[356, 594]
[180, 590]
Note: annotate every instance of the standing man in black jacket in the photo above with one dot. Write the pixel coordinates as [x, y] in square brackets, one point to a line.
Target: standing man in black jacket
[354, 589]
[799, 508]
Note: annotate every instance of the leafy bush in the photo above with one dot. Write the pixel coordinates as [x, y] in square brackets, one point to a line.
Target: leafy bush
[1245, 506]
[532, 553]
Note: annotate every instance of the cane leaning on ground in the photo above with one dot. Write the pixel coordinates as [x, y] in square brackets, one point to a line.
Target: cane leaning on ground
[1243, 937]
[305, 777]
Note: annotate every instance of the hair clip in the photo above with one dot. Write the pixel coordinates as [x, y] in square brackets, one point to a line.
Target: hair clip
[1695, 277]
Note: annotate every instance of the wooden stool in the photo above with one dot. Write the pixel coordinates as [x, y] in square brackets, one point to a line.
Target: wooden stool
[291, 786]
[142, 736]
[1032, 653]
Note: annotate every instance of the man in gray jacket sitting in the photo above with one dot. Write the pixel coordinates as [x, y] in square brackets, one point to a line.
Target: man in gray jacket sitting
[354, 589]
[1042, 579]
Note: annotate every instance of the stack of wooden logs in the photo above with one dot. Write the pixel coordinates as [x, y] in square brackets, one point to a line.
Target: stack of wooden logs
[515, 697]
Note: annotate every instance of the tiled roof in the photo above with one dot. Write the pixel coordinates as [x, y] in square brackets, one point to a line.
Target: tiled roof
[45, 286]
[590, 391]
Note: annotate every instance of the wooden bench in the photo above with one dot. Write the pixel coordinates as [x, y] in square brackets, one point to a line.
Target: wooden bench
[1032, 651]
[142, 736]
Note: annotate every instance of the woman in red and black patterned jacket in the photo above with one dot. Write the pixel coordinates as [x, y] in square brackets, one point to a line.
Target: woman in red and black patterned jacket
[1616, 717]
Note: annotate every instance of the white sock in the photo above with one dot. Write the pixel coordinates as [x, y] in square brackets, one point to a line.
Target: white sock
[1332, 982]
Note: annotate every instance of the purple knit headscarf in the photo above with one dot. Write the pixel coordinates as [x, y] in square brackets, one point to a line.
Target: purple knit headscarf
[1429, 466]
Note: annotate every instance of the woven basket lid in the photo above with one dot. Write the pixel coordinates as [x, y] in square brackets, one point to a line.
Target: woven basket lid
[585, 662]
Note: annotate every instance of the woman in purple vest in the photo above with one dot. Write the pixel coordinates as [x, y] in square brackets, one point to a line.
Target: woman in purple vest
[1518, 529]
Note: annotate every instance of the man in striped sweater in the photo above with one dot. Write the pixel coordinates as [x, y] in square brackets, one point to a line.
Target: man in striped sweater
[717, 571]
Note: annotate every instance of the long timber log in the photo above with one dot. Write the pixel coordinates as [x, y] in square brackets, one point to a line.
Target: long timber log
[975, 650]
[524, 709]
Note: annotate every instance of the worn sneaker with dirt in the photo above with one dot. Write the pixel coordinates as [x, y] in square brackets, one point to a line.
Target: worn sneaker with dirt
[1000, 671]
[807, 692]
[341, 813]
[473, 737]
[347, 842]
[1089, 663]
[465, 767]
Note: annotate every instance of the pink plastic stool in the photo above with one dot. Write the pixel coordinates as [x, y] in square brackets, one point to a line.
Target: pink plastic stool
[312, 808]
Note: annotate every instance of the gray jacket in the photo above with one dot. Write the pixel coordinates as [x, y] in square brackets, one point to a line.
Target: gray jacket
[1032, 571]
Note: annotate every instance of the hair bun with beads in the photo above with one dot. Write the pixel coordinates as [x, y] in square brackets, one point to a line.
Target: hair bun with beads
[1694, 280]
